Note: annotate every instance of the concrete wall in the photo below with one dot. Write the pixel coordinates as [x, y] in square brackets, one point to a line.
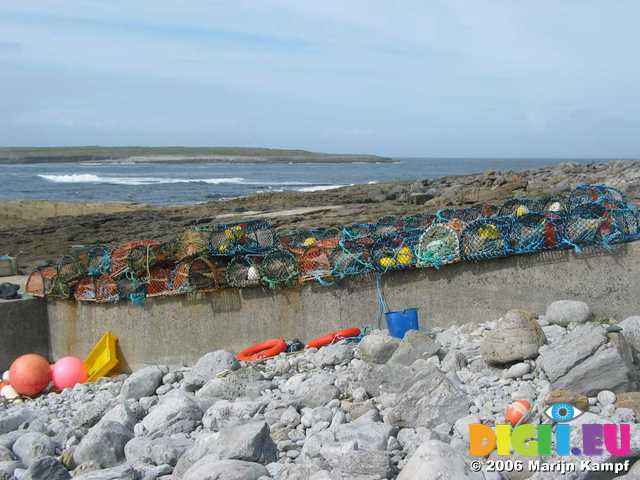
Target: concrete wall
[23, 329]
[179, 329]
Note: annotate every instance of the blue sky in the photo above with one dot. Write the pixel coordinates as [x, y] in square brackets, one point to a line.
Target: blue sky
[408, 78]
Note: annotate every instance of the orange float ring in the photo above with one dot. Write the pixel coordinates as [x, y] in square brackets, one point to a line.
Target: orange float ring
[333, 337]
[266, 349]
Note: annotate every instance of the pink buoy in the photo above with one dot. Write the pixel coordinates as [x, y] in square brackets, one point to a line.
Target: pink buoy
[67, 372]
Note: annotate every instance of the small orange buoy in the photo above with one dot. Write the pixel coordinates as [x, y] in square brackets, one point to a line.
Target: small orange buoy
[30, 374]
[517, 412]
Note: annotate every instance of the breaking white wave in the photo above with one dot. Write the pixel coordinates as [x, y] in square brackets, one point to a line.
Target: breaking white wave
[91, 178]
[320, 188]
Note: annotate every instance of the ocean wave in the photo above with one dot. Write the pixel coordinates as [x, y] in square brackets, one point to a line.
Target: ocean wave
[91, 178]
[319, 188]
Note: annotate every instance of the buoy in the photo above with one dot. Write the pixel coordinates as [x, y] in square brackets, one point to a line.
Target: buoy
[67, 372]
[30, 374]
[405, 256]
[387, 262]
[333, 337]
[253, 274]
[555, 207]
[521, 211]
[266, 349]
[8, 392]
[5, 376]
[489, 232]
[309, 241]
[517, 412]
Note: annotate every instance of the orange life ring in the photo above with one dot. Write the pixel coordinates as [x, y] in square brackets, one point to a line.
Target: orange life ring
[333, 337]
[266, 349]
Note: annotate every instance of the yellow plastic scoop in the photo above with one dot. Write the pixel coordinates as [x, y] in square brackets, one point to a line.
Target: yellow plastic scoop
[103, 358]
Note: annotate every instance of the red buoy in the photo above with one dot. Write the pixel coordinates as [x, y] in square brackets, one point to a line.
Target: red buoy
[266, 349]
[517, 412]
[333, 337]
[30, 374]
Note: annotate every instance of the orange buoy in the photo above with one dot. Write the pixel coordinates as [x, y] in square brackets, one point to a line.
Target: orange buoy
[266, 349]
[517, 412]
[30, 374]
[333, 337]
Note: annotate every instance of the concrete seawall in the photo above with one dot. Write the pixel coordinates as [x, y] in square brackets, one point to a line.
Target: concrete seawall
[178, 330]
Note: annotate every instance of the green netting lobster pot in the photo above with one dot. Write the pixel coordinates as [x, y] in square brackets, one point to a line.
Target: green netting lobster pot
[522, 206]
[243, 271]
[419, 220]
[357, 231]
[485, 238]
[626, 221]
[142, 258]
[131, 288]
[279, 267]
[248, 237]
[606, 196]
[438, 245]
[393, 253]
[387, 226]
[352, 257]
[586, 223]
[98, 260]
[556, 205]
[534, 232]
[72, 267]
[298, 241]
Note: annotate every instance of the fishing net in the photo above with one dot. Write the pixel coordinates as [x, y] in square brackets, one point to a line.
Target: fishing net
[357, 231]
[243, 271]
[626, 221]
[298, 241]
[315, 264]
[606, 196]
[40, 282]
[142, 258]
[522, 206]
[131, 288]
[120, 256]
[393, 253]
[85, 290]
[72, 267]
[159, 282]
[192, 243]
[533, 232]
[587, 223]
[352, 257]
[102, 289]
[438, 245]
[485, 238]
[98, 260]
[249, 237]
[279, 267]
[387, 226]
[200, 273]
[420, 220]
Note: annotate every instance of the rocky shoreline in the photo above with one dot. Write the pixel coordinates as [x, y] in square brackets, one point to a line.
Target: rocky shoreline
[32, 237]
[378, 409]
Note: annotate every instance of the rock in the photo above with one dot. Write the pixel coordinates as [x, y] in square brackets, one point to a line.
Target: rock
[566, 396]
[290, 417]
[378, 348]
[10, 421]
[461, 426]
[7, 469]
[91, 413]
[372, 436]
[46, 468]
[209, 365]
[331, 355]
[629, 400]
[564, 312]
[631, 331]
[160, 451]
[435, 460]
[517, 370]
[411, 438]
[104, 444]
[516, 337]
[33, 445]
[176, 413]
[122, 472]
[203, 446]
[317, 390]
[354, 463]
[241, 383]
[5, 454]
[431, 398]
[606, 397]
[142, 383]
[414, 345]
[212, 468]
[224, 413]
[453, 361]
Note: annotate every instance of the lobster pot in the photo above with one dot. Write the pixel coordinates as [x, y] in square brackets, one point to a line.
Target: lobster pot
[144, 257]
[192, 243]
[387, 226]
[71, 268]
[627, 222]
[489, 210]
[40, 282]
[158, 283]
[131, 288]
[357, 231]
[438, 245]
[180, 278]
[243, 271]
[315, 264]
[393, 254]
[462, 215]
[556, 205]
[107, 289]
[534, 232]
[586, 224]
[606, 196]
[484, 238]
[419, 220]
[85, 290]
[98, 260]
[278, 267]
[205, 274]
[521, 206]
[120, 256]
[249, 237]
[350, 258]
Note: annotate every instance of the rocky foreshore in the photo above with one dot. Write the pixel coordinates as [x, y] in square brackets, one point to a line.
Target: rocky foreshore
[35, 234]
[380, 409]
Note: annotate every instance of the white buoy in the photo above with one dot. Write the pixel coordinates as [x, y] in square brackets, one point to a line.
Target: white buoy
[253, 274]
[9, 392]
[5, 376]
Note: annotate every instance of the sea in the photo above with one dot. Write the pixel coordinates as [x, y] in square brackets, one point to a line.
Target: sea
[181, 184]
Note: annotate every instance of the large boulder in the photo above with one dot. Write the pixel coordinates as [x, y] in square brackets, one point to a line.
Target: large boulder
[415, 345]
[316, 390]
[564, 312]
[211, 364]
[517, 337]
[331, 355]
[369, 435]
[435, 460]
[212, 468]
[11, 420]
[121, 472]
[378, 348]
[142, 383]
[631, 331]
[176, 413]
[33, 445]
[347, 461]
[160, 451]
[46, 468]
[224, 413]
[104, 444]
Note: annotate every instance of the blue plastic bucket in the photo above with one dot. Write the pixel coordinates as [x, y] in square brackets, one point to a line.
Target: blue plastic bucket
[401, 322]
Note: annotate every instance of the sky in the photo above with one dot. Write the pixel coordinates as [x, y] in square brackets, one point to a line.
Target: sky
[459, 78]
